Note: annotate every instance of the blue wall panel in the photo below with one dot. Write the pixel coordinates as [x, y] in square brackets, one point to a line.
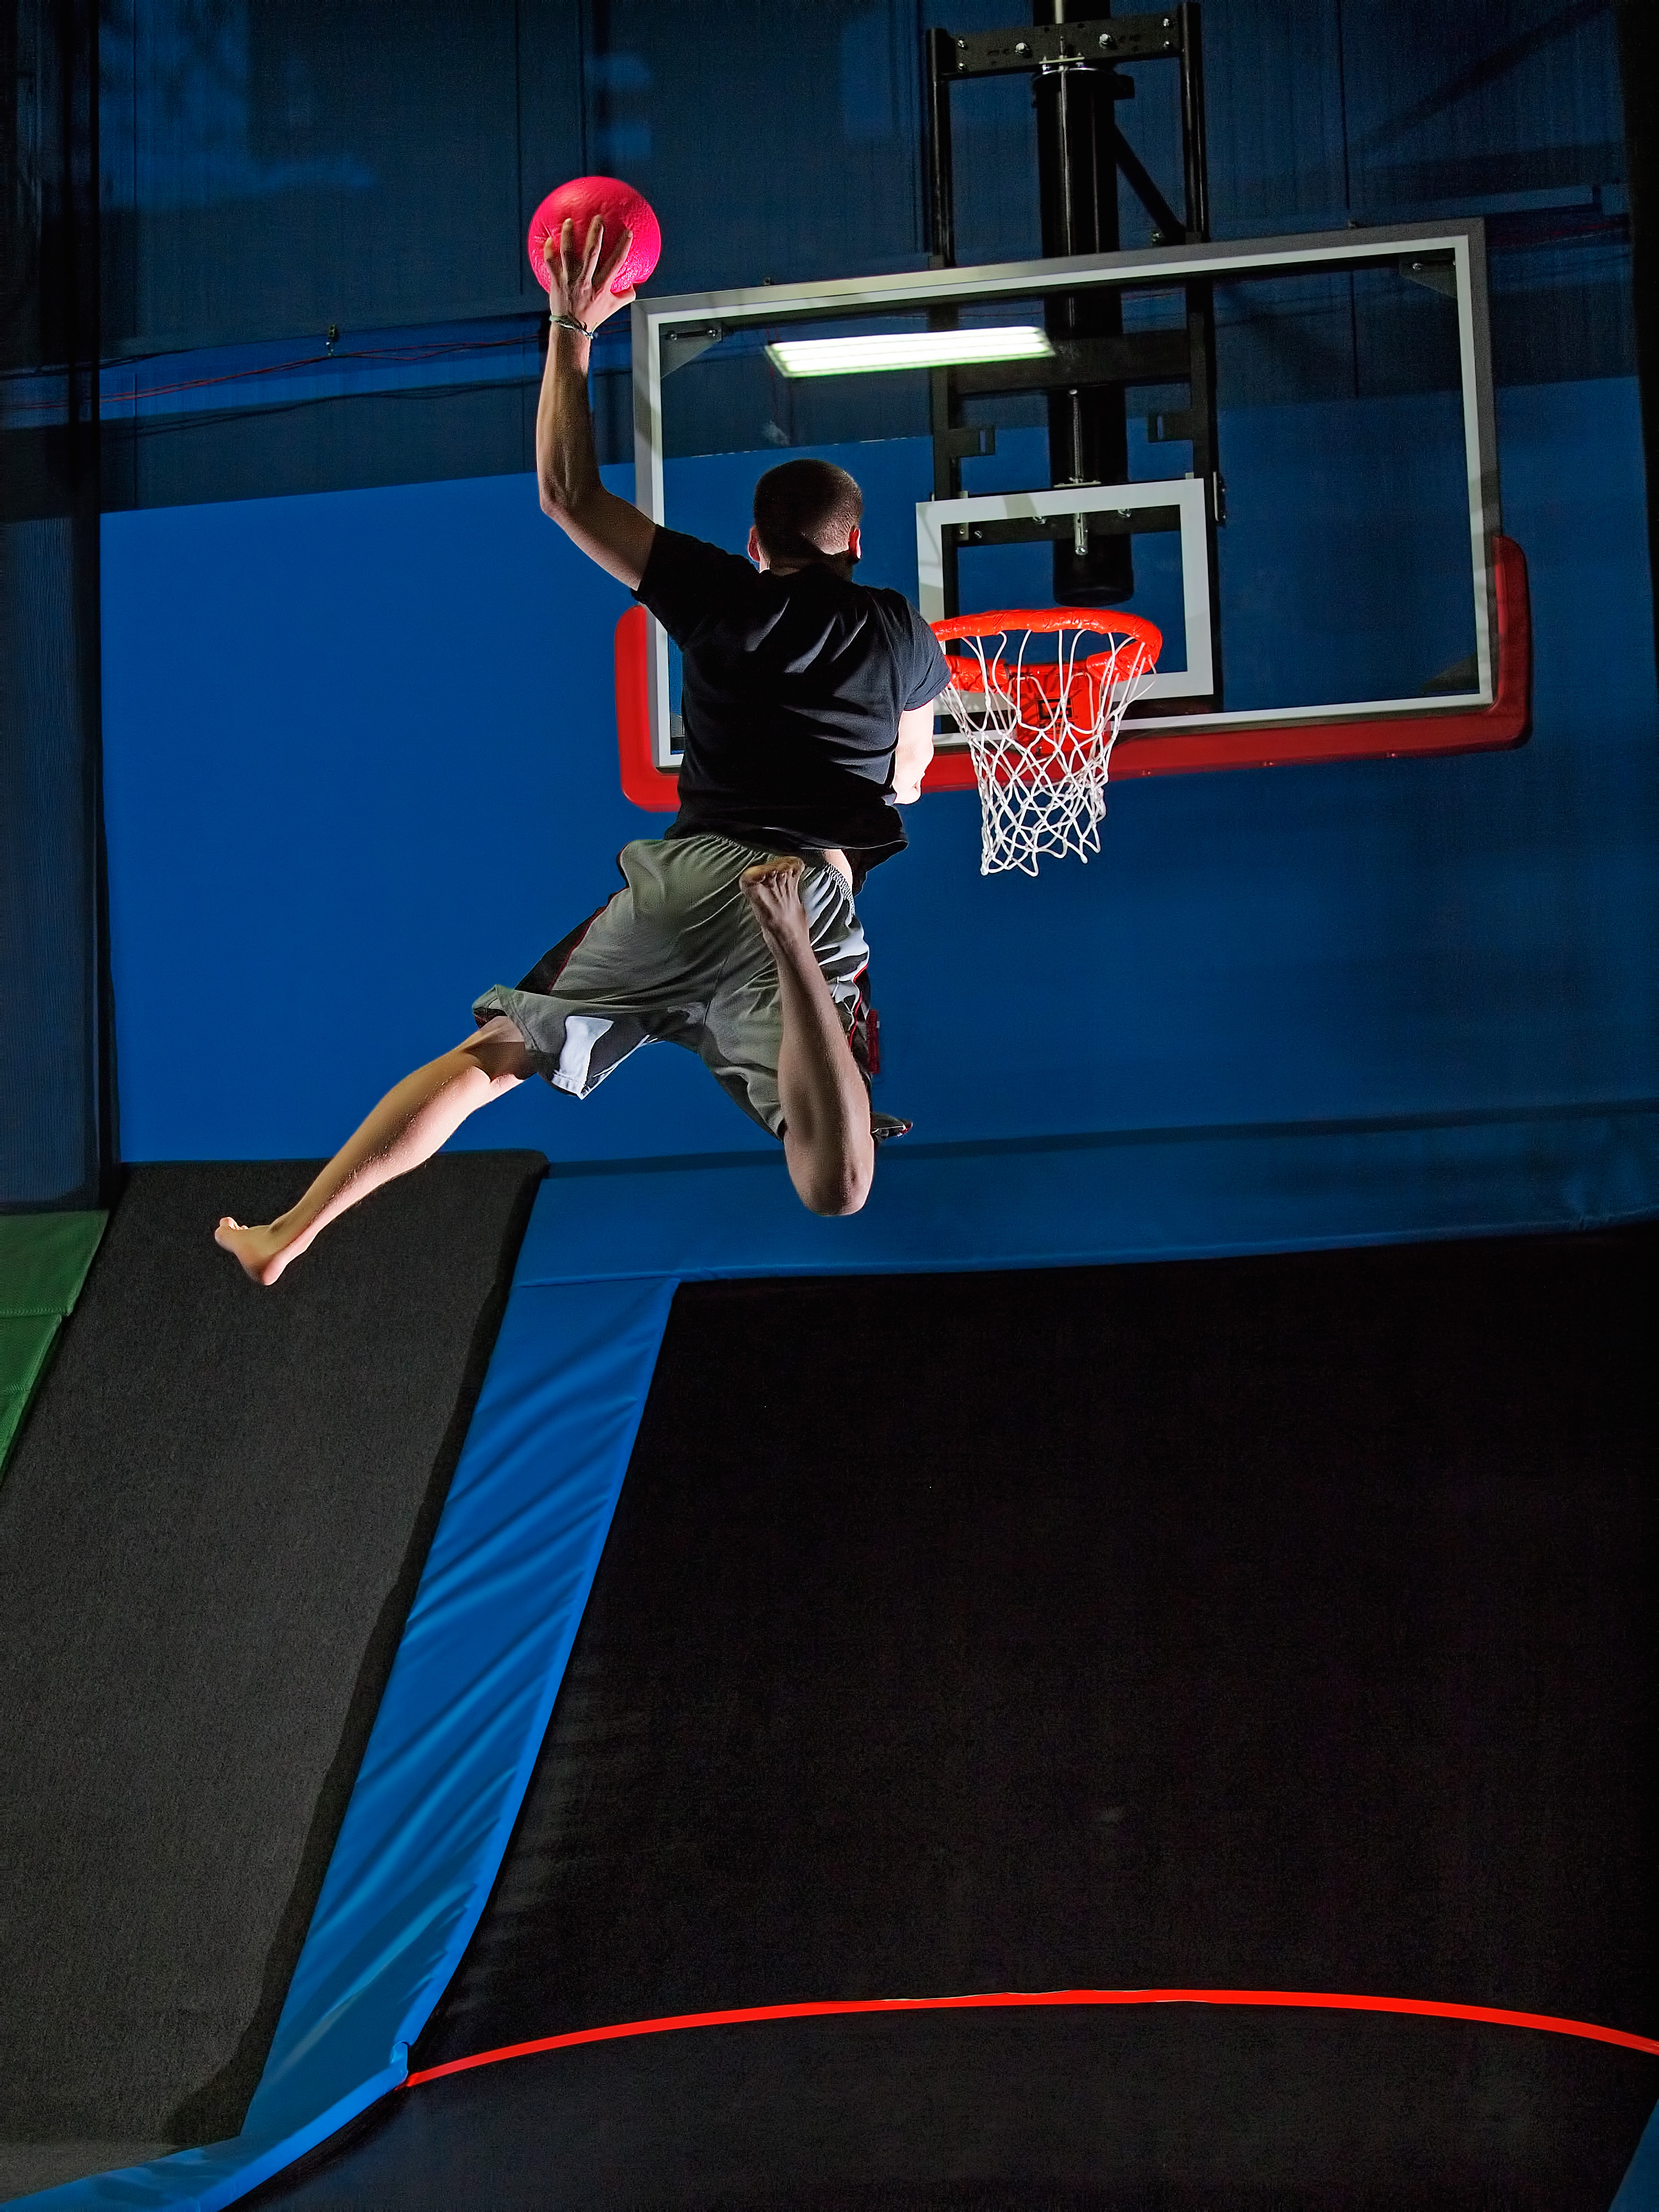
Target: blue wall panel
[362, 763]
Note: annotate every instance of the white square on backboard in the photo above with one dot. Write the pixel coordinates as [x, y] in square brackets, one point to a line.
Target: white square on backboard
[1197, 679]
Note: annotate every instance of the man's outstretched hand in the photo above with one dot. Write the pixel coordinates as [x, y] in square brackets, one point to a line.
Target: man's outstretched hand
[579, 278]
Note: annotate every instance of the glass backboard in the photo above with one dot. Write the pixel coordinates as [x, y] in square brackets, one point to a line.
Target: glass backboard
[1289, 444]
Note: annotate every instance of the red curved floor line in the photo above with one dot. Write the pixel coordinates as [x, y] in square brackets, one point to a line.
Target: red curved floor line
[1317, 2000]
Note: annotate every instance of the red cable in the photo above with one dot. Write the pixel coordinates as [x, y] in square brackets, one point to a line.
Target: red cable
[1308, 1999]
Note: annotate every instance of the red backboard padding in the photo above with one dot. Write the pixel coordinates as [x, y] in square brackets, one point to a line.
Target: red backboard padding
[1143, 750]
[642, 780]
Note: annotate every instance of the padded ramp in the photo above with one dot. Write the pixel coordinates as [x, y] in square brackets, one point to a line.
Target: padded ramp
[44, 1258]
[1126, 1195]
[1280, 1624]
[210, 1531]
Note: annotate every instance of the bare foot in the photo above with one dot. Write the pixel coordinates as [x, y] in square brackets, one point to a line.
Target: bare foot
[263, 1253]
[773, 890]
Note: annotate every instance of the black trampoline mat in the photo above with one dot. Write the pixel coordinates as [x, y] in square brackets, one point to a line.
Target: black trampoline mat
[1278, 1624]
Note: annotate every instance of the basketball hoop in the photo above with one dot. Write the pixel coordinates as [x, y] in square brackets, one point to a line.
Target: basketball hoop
[1040, 732]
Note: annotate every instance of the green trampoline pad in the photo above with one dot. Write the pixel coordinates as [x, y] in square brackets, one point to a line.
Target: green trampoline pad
[44, 1258]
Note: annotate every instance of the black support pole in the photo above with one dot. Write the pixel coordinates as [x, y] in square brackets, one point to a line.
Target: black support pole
[1191, 123]
[1077, 174]
[941, 195]
[1639, 55]
[1201, 310]
[57, 1101]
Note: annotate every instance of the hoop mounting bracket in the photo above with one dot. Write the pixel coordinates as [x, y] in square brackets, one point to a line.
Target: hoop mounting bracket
[1059, 45]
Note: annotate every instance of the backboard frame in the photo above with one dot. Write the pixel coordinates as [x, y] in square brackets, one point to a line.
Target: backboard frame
[1184, 496]
[694, 320]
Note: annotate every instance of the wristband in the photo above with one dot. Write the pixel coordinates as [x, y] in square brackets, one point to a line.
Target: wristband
[569, 323]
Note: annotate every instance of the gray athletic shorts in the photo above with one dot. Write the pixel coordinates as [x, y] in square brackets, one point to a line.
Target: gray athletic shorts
[678, 955]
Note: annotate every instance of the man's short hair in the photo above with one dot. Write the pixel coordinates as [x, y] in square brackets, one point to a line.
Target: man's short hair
[804, 510]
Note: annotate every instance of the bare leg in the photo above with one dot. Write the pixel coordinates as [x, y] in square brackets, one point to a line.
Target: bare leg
[827, 1143]
[405, 1128]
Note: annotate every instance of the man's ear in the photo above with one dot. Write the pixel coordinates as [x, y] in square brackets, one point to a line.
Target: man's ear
[854, 543]
[756, 552]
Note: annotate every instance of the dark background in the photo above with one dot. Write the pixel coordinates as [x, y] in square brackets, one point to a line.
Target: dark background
[268, 170]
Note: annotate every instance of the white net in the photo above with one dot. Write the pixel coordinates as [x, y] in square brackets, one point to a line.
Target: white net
[1040, 731]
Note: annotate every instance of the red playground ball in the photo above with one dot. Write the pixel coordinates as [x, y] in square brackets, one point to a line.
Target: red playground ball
[620, 208]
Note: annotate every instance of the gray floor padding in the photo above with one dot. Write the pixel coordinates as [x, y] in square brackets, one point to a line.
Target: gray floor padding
[27, 2166]
[211, 1530]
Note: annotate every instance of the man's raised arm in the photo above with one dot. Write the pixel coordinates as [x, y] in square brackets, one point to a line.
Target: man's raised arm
[608, 530]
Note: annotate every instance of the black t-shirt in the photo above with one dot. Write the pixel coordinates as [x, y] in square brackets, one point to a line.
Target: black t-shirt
[792, 691]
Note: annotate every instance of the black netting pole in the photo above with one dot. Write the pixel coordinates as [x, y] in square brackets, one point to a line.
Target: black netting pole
[58, 1145]
[1638, 42]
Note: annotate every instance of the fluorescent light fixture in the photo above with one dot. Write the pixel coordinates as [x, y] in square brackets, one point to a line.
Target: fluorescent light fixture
[907, 349]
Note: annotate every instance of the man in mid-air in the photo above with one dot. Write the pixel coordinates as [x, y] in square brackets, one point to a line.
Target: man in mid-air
[808, 711]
